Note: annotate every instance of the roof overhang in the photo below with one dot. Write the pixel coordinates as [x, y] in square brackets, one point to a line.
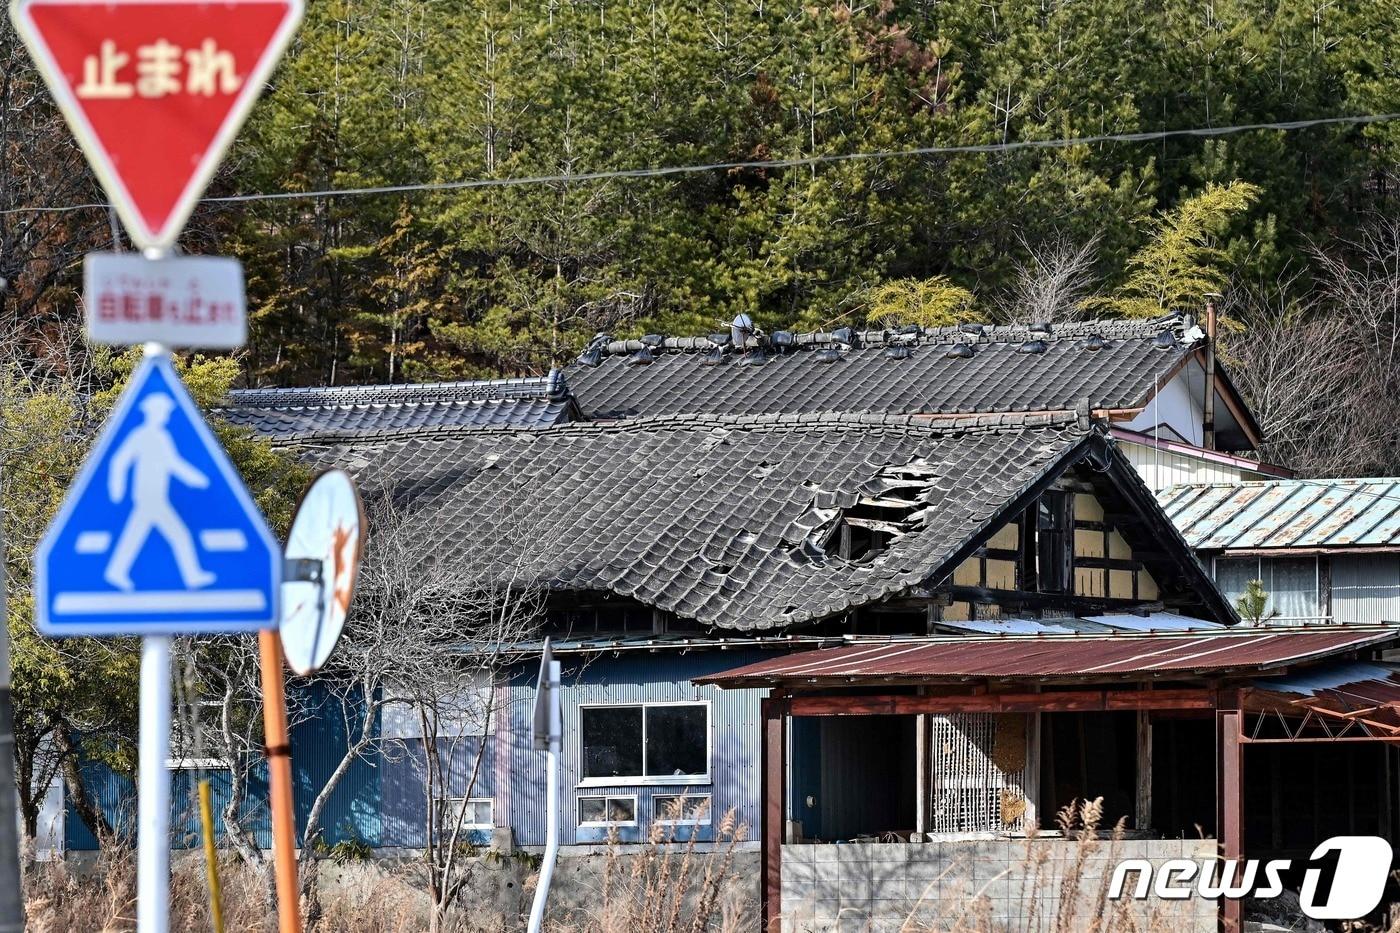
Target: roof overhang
[1210, 656]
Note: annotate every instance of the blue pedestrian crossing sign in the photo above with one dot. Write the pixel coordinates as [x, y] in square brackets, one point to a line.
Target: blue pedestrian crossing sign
[158, 534]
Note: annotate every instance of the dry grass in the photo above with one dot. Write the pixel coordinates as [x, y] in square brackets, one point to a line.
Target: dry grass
[662, 889]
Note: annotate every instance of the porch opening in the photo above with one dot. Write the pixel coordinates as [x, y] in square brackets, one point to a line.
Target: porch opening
[852, 777]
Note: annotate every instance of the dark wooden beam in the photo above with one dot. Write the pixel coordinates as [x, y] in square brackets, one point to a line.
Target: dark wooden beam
[1229, 823]
[1050, 701]
[773, 812]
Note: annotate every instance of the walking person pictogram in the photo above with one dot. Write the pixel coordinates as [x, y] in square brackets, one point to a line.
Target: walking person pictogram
[149, 455]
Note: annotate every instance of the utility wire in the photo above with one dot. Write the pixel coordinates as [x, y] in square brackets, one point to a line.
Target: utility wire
[797, 161]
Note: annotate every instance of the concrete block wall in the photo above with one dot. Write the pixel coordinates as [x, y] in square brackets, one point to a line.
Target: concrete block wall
[1010, 884]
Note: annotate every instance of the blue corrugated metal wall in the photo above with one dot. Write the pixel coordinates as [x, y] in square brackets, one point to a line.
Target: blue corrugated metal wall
[317, 745]
[380, 801]
[635, 678]
[402, 784]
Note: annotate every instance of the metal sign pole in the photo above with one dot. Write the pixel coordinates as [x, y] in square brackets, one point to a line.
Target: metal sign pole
[279, 774]
[552, 681]
[153, 776]
[153, 796]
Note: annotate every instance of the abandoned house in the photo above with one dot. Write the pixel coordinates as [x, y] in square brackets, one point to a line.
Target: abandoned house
[908, 586]
[1324, 550]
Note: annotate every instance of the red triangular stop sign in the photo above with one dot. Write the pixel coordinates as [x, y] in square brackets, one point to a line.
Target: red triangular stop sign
[155, 90]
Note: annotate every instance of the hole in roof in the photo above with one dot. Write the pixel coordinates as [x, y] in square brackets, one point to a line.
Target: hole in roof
[959, 351]
[888, 506]
[1032, 346]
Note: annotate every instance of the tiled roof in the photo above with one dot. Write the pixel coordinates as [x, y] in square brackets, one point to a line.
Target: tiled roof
[1115, 364]
[710, 517]
[1287, 514]
[293, 414]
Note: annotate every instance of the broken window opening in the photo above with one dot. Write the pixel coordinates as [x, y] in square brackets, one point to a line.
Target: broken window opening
[1047, 544]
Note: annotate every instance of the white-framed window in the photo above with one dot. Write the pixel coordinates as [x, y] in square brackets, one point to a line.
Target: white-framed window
[681, 809]
[195, 749]
[471, 713]
[645, 743]
[608, 810]
[481, 813]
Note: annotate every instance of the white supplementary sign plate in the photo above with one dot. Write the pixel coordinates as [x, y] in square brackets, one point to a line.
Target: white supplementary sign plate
[158, 533]
[185, 301]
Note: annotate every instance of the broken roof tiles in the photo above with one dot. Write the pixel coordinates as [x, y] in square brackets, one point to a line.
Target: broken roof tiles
[711, 517]
[1114, 364]
[295, 414]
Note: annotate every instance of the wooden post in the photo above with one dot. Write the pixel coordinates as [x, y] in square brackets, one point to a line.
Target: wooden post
[773, 765]
[1142, 812]
[921, 775]
[1230, 798]
[279, 778]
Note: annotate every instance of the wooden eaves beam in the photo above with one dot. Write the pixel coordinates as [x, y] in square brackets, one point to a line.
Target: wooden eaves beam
[1054, 701]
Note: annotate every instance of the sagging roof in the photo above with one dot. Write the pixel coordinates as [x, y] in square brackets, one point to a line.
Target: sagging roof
[294, 414]
[1368, 691]
[709, 517]
[1059, 658]
[1115, 364]
[1287, 515]
[724, 519]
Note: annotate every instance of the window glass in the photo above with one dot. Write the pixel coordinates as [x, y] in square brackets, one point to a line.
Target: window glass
[607, 809]
[1292, 587]
[677, 740]
[612, 741]
[1233, 575]
[681, 808]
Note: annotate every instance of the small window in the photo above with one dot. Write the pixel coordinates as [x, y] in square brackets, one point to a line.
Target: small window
[607, 811]
[666, 741]
[681, 809]
[480, 815]
[198, 748]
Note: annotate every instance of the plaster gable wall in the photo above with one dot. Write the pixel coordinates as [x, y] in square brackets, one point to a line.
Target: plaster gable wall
[1176, 408]
[1105, 565]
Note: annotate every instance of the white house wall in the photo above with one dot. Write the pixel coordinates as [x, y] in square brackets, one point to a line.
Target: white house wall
[1175, 408]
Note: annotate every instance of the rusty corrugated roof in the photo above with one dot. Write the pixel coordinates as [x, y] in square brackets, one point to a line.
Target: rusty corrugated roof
[1063, 657]
[1366, 690]
[1287, 514]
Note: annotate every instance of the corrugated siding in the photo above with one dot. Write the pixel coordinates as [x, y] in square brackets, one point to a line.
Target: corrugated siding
[1160, 469]
[404, 798]
[1366, 589]
[317, 745]
[638, 678]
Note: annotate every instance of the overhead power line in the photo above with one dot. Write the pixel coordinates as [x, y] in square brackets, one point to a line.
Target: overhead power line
[795, 162]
